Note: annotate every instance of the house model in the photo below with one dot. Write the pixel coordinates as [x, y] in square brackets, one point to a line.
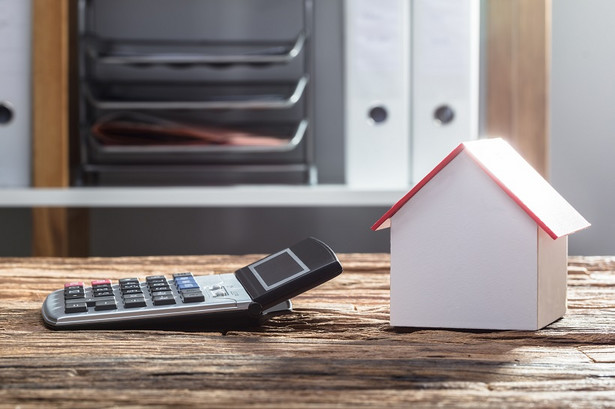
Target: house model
[481, 243]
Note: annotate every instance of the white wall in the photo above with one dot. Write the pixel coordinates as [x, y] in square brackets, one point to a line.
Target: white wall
[583, 117]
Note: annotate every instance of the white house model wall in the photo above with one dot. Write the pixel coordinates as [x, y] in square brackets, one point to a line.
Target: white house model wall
[460, 255]
[480, 243]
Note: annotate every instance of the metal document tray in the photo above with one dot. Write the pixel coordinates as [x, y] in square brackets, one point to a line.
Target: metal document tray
[207, 154]
[187, 53]
[169, 96]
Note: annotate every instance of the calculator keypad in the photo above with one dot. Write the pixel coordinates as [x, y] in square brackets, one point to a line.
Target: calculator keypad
[188, 288]
[74, 298]
[160, 290]
[132, 294]
[155, 291]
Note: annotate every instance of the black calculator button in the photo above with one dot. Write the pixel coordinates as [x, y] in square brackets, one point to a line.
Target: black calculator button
[191, 290]
[163, 300]
[105, 305]
[77, 294]
[103, 293]
[178, 275]
[132, 291]
[134, 302]
[162, 293]
[73, 290]
[159, 289]
[74, 296]
[91, 301]
[72, 307]
[155, 278]
[193, 296]
[125, 281]
[136, 295]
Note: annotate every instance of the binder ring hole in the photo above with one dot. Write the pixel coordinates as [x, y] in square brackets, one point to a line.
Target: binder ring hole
[6, 113]
[443, 115]
[378, 114]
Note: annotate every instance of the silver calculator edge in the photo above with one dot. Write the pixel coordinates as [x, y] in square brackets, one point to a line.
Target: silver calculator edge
[236, 300]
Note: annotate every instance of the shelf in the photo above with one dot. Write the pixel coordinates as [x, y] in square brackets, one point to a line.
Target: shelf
[231, 196]
[180, 96]
[189, 53]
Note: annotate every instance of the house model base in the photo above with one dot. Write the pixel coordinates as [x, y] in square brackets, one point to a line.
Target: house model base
[480, 243]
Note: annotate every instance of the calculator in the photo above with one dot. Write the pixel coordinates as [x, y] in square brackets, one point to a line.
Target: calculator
[258, 290]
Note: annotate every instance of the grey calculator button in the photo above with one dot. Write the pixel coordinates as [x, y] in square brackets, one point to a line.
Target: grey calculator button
[105, 305]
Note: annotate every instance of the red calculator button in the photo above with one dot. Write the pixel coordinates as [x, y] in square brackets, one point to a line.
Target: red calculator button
[100, 282]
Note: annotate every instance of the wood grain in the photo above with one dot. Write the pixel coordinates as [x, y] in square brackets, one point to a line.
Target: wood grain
[55, 231]
[517, 68]
[335, 350]
[50, 62]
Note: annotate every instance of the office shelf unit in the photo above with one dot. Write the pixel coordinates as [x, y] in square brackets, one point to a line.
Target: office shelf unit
[55, 204]
[195, 104]
[232, 196]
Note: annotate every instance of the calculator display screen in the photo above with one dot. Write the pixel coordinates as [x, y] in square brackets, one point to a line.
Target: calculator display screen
[278, 269]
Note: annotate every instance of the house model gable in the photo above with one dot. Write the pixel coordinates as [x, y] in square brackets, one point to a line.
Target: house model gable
[481, 243]
[518, 179]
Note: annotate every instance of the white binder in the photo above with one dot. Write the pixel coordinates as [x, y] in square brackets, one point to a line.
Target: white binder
[377, 81]
[445, 76]
[409, 58]
[15, 90]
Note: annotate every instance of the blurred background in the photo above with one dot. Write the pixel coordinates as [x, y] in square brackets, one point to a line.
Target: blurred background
[388, 90]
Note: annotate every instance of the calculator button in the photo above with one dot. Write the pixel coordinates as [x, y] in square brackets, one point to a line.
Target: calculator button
[215, 287]
[74, 296]
[100, 282]
[186, 274]
[184, 278]
[128, 296]
[155, 278]
[162, 293]
[193, 296]
[219, 293]
[157, 288]
[134, 302]
[103, 293]
[163, 300]
[132, 291]
[91, 301]
[124, 281]
[129, 286]
[74, 292]
[72, 307]
[74, 284]
[187, 286]
[105, 305]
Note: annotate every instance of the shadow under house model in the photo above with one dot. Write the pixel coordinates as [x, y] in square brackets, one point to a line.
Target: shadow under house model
[480, 243]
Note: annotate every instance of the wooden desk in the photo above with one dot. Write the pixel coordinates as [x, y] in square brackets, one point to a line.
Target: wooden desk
[336, 349]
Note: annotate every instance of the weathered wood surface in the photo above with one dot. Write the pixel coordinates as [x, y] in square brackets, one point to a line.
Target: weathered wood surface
[336, 349]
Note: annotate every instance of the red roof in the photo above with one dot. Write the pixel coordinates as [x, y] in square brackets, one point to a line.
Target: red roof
[517, 178]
